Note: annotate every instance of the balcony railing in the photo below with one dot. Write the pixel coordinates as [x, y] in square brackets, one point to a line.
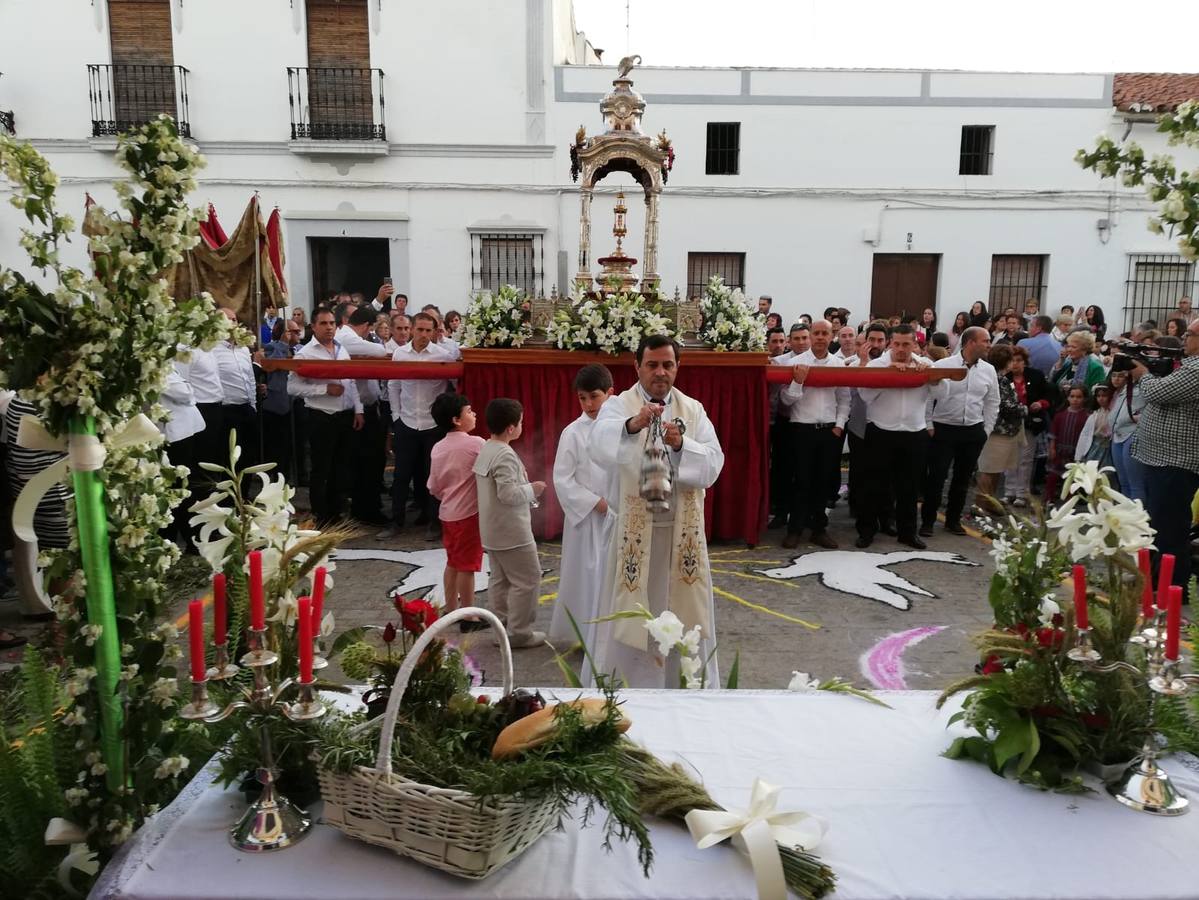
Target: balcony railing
[8, 121]
[336, 104]
[124, 96]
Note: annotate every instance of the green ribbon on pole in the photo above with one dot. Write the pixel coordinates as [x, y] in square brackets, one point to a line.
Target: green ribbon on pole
[92, 520]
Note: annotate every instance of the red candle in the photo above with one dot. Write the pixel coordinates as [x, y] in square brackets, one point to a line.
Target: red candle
[1165, 574]
[220, 620]
[257, 607]
[195, 636]
[1146, 567]
[1173, 621]
[304, 639]
[318, 598]
[1080, 597]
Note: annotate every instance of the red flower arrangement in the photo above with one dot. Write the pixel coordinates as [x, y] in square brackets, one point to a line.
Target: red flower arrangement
[415, 615]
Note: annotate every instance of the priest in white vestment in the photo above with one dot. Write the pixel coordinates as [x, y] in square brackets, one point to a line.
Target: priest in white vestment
[657, 560]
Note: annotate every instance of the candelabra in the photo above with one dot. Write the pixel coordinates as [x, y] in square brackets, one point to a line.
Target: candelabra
[272, 822]
[1144, 785]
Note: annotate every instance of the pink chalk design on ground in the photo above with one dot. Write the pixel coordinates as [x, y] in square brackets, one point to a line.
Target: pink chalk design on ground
[882, 665]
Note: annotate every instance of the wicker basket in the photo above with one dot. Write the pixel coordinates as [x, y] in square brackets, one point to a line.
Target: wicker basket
[444, 828]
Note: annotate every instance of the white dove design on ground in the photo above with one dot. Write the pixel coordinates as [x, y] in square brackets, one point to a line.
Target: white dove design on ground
[863, 575]
[425, 579]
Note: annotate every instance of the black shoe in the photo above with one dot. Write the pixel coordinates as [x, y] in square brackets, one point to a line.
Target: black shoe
[926, 530]
[954, 528]
[863, 542]
[823, 539]
[888, 529]
[910, 540]
[791, 541]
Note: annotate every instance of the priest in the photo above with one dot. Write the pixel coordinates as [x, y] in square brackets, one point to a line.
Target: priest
[658, 560]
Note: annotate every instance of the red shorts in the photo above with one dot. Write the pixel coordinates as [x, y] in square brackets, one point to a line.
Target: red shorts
[463, 546]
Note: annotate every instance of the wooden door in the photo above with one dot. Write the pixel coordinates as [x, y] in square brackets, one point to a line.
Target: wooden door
[903, 284]
[143, 80]
[339, 76]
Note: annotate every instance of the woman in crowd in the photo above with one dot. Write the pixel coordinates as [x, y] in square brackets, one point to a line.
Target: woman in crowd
[1063, 440]
[1095, 440]
[1093, 319]
[1077, 365]
[453, 321]
[1062, 328]
[1006, 441]
[298, 316]
[960, 323]
[979, 317]
[1176, 328]
[383, 328]
[773, 320]
[1034, 394]
[1127, 404]
[927, 325]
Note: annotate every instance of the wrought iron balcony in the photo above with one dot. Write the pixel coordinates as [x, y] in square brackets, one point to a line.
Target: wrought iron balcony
[124, 96]
[8, 121]
[336, 104]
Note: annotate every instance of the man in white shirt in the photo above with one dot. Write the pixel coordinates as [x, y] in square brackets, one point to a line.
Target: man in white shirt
[414, 431]
[440, 337]
[872, 346]
[334, 414]
[201, 373]
[370, 443]
[847, 343]
[386, 300]
[816, 419]
[239, 403]
[896, 443]
[961, 420]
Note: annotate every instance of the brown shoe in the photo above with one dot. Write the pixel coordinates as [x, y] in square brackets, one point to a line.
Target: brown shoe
[791, 541]
[822, 539]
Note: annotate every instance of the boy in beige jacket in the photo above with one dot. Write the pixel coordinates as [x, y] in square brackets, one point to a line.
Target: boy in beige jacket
[505, 499]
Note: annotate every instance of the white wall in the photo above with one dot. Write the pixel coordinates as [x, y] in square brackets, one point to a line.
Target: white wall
[480, 113]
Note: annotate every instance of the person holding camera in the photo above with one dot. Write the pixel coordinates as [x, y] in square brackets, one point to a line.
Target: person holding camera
[1167, 443]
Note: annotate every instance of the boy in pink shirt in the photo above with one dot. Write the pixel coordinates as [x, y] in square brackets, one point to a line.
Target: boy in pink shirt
[452, 481]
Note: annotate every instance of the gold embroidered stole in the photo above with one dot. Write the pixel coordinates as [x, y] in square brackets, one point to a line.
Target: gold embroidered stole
[690, 582]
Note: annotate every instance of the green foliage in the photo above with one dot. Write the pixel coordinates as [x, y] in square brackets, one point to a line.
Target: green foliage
[31, 780]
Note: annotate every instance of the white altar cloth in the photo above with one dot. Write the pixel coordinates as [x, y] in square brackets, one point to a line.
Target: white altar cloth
[904, 822]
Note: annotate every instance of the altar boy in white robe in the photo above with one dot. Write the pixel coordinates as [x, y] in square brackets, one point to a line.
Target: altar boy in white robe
[579, 484]
[657, 560]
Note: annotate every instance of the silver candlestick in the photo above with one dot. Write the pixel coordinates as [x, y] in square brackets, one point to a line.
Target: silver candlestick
[1144, 785]
[272, 822]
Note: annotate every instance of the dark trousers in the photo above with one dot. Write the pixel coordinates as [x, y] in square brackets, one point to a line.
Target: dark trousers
[781, 467]
[183, 453]
[329, 436]
[816, 453]
[277, 441]
[1169, 491]
[299, 425]
[208, 443]
[894, 468]
[957, 446]
[243, 419]
[370, 457]
[412, 449]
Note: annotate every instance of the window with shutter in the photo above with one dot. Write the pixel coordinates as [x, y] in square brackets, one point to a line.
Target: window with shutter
[702, 266]
[143, 60]
[339, 74]
[1016, 279]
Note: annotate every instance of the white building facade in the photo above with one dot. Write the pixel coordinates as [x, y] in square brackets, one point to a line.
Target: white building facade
[430, 143]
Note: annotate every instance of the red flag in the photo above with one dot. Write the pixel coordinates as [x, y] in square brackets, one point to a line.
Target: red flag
[211, 231]
[274, 246]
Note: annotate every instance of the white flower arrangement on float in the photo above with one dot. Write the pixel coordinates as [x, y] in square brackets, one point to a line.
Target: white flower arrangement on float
[613, 322]
[497, 320]
[731, 320]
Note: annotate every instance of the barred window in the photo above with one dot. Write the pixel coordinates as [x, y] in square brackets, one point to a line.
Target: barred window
[978, 144]
[1016, 279]
[1155, 283]
[515, 259]
[724, 148]
[702, 266]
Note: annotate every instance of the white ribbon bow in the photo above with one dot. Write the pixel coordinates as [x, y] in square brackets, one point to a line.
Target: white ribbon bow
[85, 453]
[758, 831]
[60, 832]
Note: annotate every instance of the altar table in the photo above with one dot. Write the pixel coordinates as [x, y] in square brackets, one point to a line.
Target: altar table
[904, 822]
[729, 385]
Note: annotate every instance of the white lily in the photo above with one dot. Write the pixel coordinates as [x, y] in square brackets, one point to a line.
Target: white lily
[1086, 477]
[666, 630]
[801, 683]
[1049, 608]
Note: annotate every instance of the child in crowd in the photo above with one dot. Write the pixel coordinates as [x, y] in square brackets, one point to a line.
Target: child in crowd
[580, 486]
[1095, 440]
[1063, 440]
[452, 482]
[505, 497]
